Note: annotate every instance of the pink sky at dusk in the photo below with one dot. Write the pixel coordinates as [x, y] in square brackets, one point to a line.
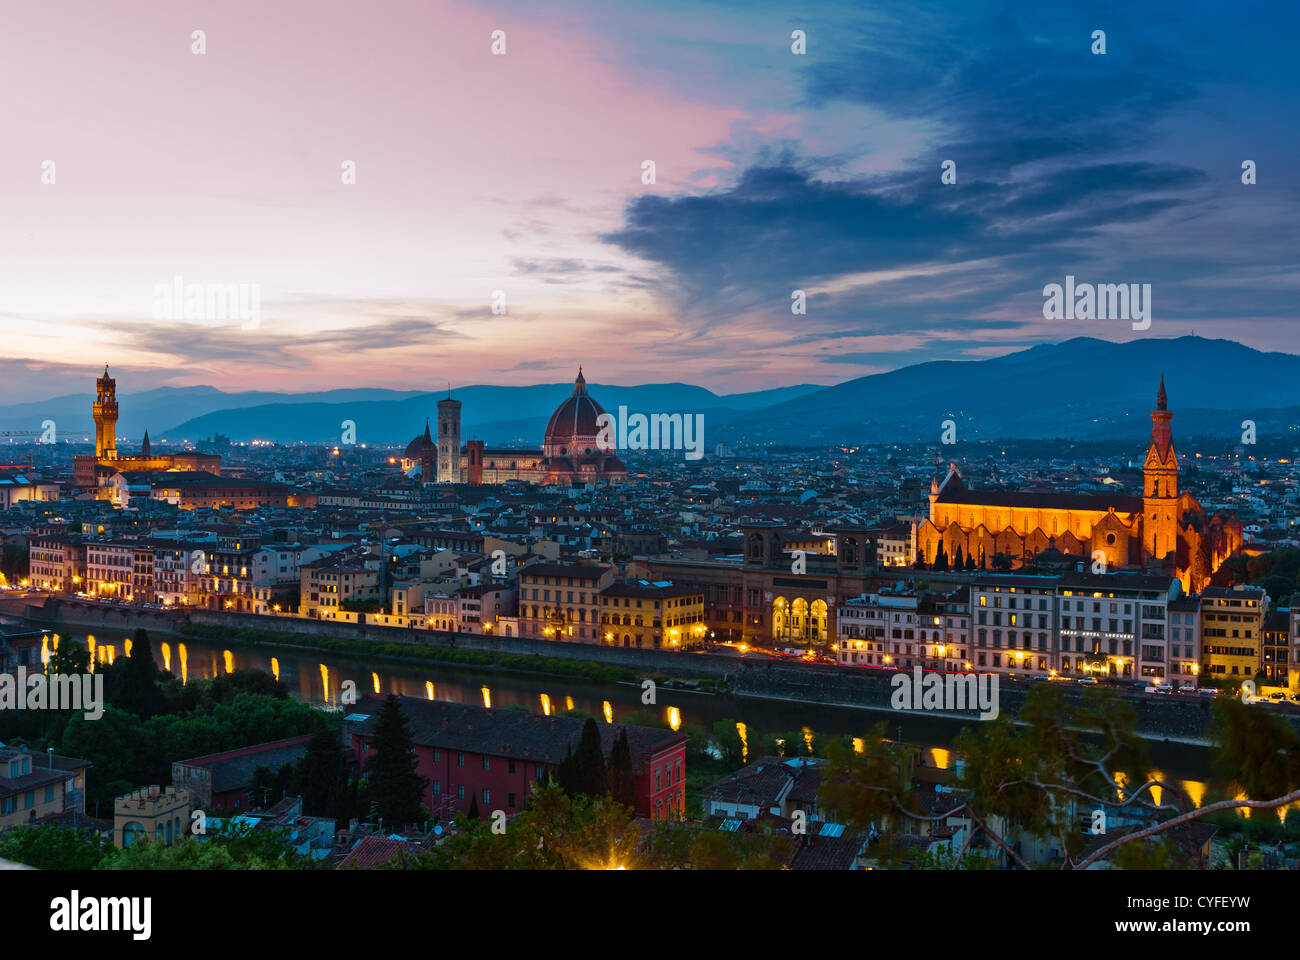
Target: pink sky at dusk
[225, 168]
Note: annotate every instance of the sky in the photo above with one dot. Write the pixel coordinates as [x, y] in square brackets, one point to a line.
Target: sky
[132, 162]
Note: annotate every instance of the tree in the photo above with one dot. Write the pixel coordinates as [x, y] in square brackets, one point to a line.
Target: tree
[135, 679]
[52, 848]
[70, 658]
[473, 806]
[941, 558]
[395, 787]
[622, 776]
[592, 778]
[958, 559]
[323, 777]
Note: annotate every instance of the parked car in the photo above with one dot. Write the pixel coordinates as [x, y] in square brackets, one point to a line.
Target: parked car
[1042, 676]
[1187, 688]
[1208, 692]
[1091, 681]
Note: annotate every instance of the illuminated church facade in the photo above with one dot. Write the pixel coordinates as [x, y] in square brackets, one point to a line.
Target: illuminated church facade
[570, 455]
[1163, 529]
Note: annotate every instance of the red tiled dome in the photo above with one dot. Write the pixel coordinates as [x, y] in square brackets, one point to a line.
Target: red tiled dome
[422, 447]
[573, 427]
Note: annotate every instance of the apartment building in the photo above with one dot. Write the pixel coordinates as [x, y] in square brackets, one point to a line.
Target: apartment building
[562, 601]
[1232, 631]
[880, 630]
[1012, 623]
[109, 569]
[33, 786]
[1117, 624]
[1294, 633]
[177, 566]
[225, 579]
[1277, 648]
[1184, 640]
[57, 562]
[332, 581]
[656, 614]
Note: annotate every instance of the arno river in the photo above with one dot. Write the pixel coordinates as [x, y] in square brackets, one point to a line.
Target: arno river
[318, 679]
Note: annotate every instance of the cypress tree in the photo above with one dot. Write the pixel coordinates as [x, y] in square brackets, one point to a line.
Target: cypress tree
[324, 777]
[139, 693]
[589, 762]
[473, 806]
[565, 778]
[622, 776]
[395, 788]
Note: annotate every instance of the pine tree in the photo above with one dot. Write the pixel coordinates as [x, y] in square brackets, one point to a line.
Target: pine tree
[395, 788]
[941, 559]
[473, 806]
[958, 560]
[622, 775]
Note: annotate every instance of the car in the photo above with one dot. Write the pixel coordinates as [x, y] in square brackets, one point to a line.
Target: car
[1042, 676]
[1187, 688]
[1277, 696]
[1207, 692]
[1091, 681]
[1295, 698]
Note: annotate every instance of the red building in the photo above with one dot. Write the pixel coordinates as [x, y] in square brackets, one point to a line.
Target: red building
[496, 755]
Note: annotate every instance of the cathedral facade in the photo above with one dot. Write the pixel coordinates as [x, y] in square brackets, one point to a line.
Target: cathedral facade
[570, 454]
[1163, 529]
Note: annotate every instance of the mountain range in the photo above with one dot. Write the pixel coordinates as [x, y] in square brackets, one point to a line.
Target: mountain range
[1082, 388]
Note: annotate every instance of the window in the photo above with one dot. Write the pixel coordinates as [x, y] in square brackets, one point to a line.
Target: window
[487, 796]
[486, 763]
[510, 800]
[437, 788]
[460, 792]
[460, 759]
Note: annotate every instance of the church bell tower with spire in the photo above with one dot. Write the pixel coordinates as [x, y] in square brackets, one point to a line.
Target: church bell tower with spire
[1160, 484]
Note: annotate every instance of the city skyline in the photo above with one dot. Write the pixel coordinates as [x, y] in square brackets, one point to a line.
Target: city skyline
[775, 172]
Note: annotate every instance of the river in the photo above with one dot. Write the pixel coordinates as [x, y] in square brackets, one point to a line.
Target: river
[319, 680]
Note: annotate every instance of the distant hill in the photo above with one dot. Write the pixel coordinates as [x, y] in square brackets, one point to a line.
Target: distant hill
[488, 413]
[158, 409]
[1080, 388]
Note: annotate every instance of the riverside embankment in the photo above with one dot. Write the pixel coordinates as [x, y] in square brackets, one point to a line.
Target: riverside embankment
[1179, 719]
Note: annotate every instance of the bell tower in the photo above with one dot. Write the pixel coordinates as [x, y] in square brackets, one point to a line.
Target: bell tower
[1160, 484]
[104, 410]
[449, 440]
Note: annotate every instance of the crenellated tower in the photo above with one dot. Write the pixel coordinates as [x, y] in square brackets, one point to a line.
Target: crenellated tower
[104, 411]
[1160, 484]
